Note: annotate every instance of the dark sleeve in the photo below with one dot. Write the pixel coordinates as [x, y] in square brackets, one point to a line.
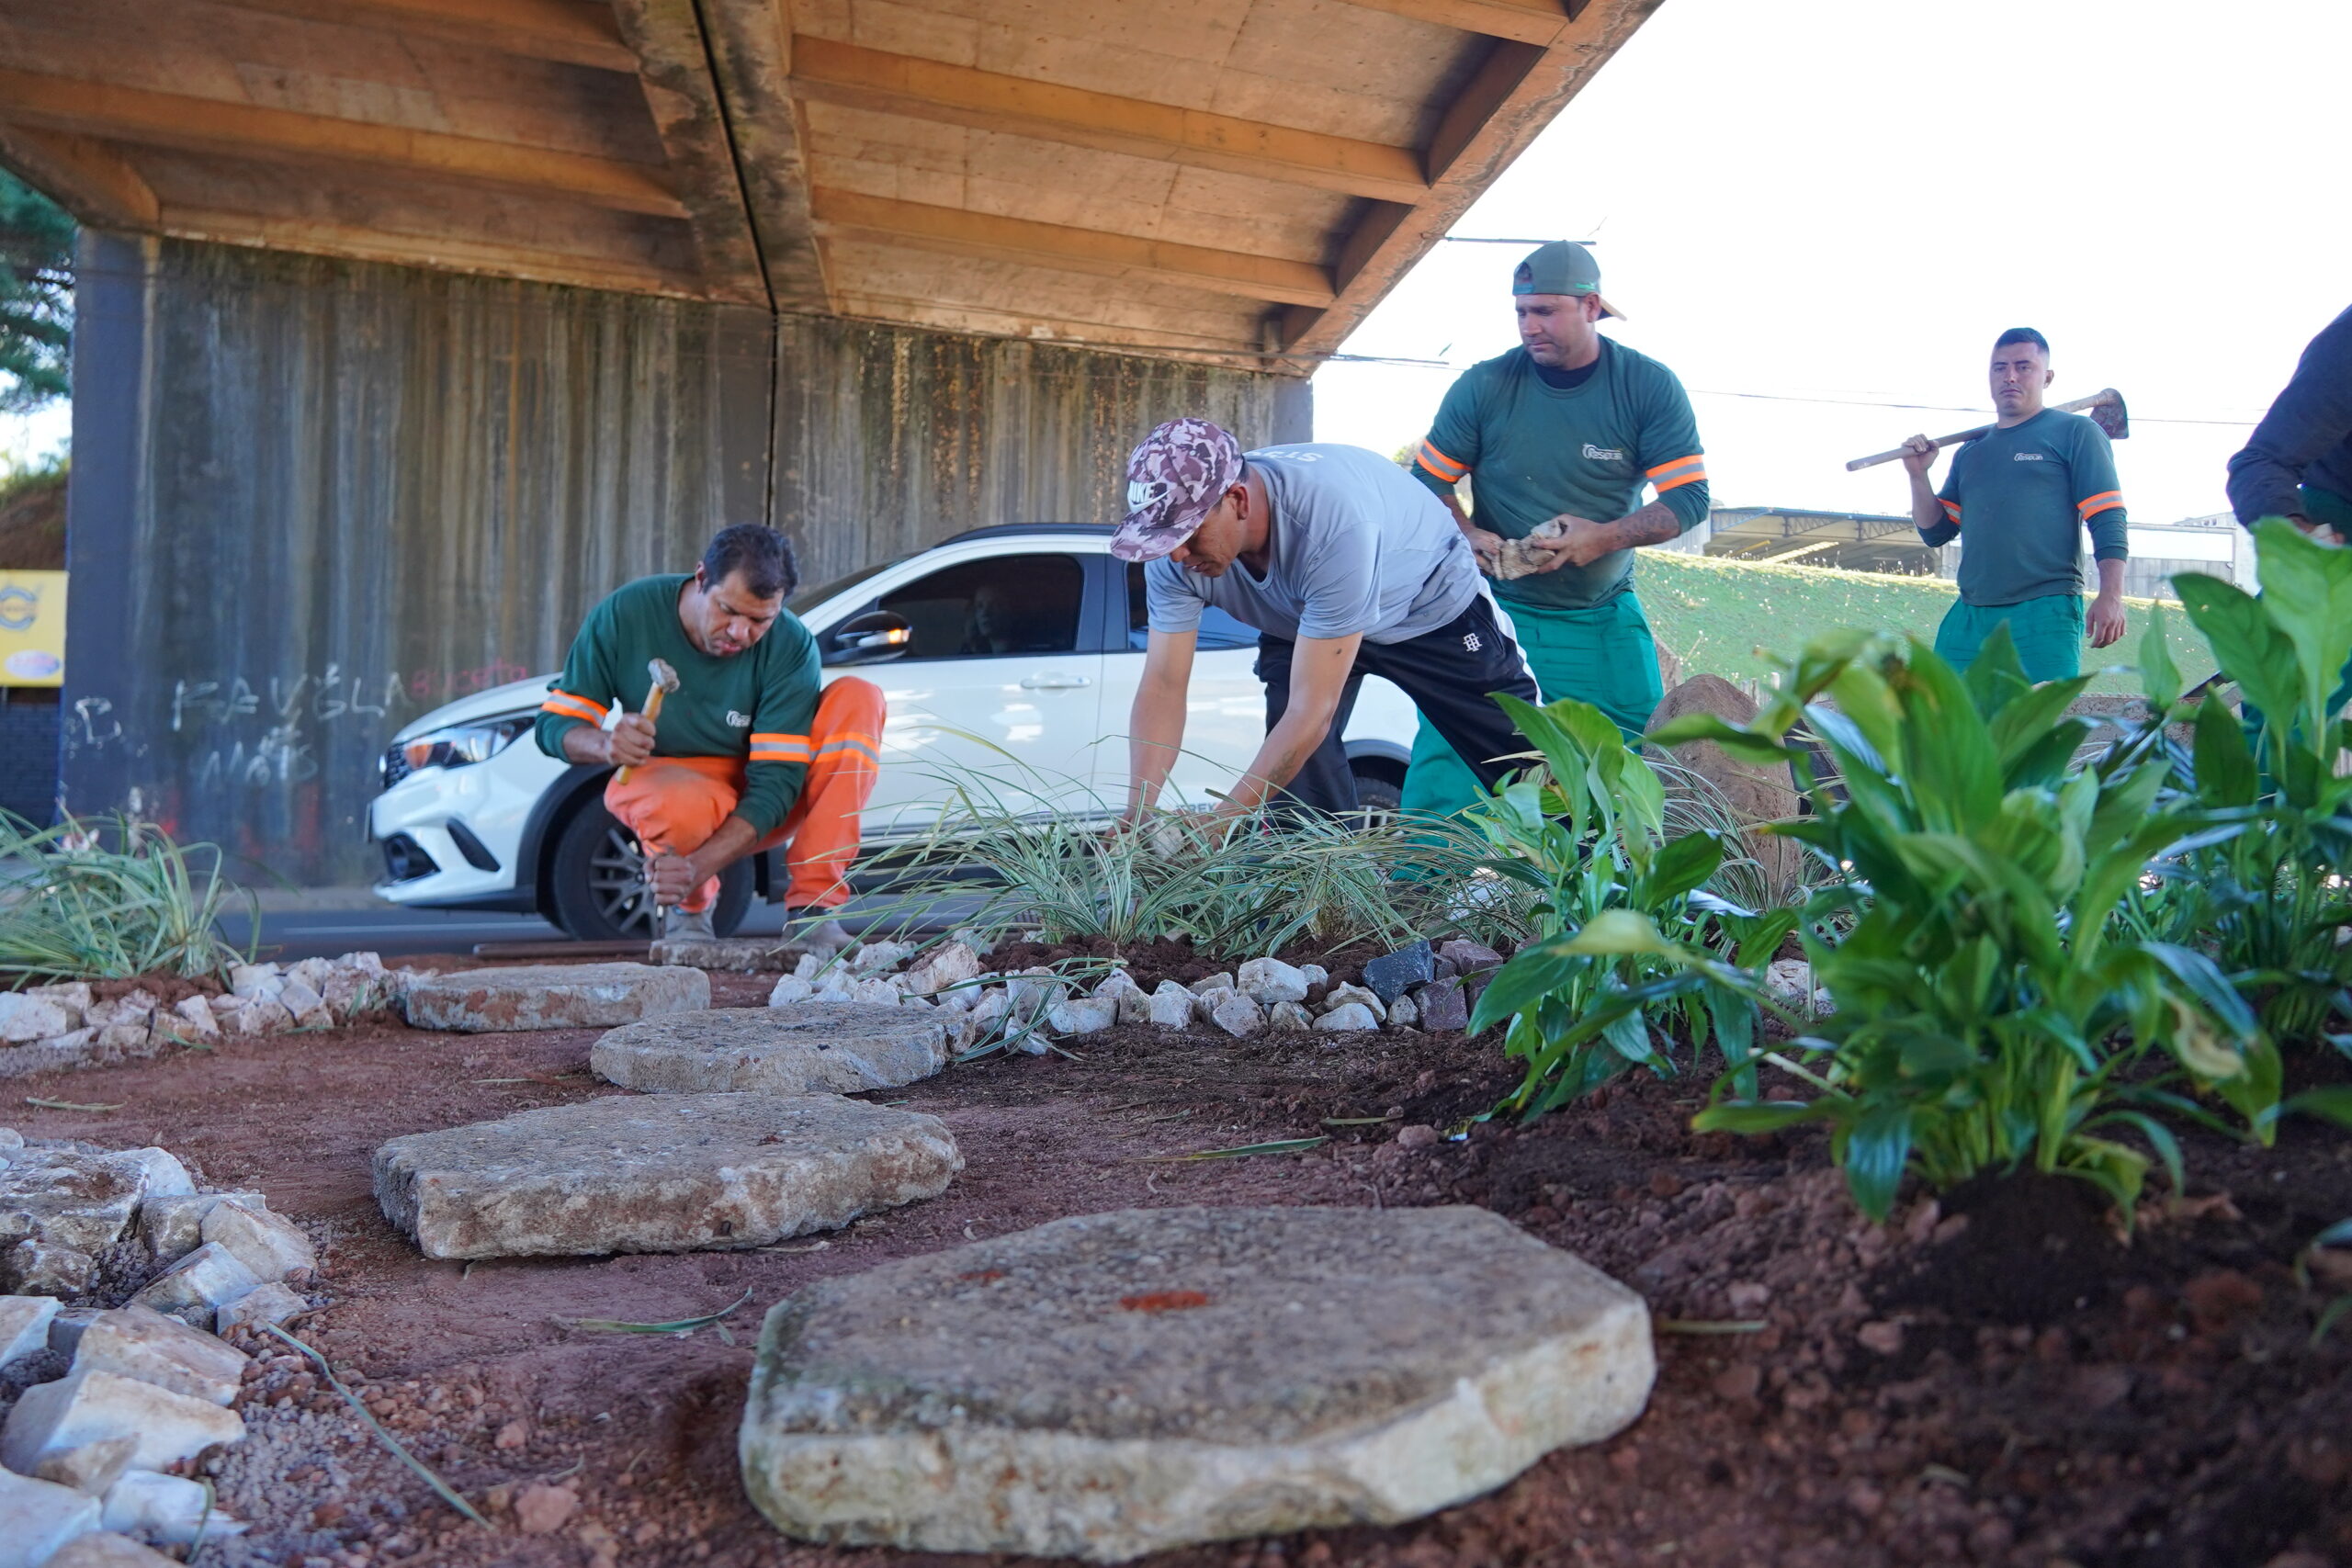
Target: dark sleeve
[2098, 498]
[1452, 449]
[2311, 415]
[585, 692]
[782, 745]
[1667, 447]
[1945, 532]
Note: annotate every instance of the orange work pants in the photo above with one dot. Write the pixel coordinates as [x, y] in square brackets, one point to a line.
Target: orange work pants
[677, 803]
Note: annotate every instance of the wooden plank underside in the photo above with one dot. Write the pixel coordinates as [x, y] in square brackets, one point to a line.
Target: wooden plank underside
[90, 179]
[1523, 21]
[751, 51]
[984, 100]
[1083, 250]
[574, 31]
[136, 115]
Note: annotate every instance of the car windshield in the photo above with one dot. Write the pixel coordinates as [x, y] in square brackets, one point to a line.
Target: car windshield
[810, 598]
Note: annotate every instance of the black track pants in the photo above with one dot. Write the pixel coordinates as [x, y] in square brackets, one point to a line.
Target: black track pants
[1448, 673]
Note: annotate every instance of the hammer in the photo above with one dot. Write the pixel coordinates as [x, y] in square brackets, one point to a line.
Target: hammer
[665, 680]
[2104, 407]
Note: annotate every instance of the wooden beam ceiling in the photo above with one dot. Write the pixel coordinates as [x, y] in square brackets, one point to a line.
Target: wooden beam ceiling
[1523, 21]
[666, 41]
[579, 32]
[1082, 250]
[88, 175]
[136, 115]
[751, 53]
[986, 101]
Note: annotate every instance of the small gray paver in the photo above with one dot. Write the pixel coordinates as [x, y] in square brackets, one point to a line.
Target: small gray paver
[734, 954]
[657, 1173]
[1114, 1384]
[552, 996]
[804, 1047]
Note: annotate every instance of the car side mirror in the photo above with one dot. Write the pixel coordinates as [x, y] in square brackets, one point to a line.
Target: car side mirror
[869, 639]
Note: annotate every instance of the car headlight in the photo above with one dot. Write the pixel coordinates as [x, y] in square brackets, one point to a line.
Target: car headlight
[455, 747]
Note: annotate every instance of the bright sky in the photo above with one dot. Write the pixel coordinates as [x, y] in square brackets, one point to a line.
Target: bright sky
[1852, 199]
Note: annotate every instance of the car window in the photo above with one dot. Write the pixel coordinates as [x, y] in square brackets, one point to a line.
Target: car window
[808, 598]
[993, 608]
[1217, 628]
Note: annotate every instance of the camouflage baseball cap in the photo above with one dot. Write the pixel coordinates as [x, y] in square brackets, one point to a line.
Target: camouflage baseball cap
[1174, 480]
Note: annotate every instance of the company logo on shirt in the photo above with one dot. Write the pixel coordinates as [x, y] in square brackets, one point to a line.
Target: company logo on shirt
[740, 720]
[2027, 457]
[1604, 453]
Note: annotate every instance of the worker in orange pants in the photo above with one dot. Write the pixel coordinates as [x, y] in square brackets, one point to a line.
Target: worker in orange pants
[740, 745]
[674, 804]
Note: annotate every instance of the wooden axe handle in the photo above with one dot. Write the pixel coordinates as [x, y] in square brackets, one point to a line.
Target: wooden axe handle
[651, 710]
[2106, 395]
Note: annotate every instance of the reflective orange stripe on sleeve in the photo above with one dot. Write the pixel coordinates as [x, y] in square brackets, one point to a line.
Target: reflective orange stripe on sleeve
[1441, 465]
[780, 748]
[571, 706]
[1682, 471]
[1952, 509]
[2099, 502]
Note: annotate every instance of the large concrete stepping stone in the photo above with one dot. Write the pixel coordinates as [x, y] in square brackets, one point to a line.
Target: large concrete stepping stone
[1114, 1384]
[807, 1048]
[552, 996]
[657, 1173]
[735, 954]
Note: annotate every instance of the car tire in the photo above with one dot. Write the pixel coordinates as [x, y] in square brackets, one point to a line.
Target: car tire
[598, 888]
[1379, 794]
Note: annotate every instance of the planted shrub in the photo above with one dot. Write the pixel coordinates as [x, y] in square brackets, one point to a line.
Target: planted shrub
[74, 909]
[1588, 834]
[1987, 1011]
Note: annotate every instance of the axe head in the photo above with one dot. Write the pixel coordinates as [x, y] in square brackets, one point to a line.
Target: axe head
[2108, 412]
[664, 676]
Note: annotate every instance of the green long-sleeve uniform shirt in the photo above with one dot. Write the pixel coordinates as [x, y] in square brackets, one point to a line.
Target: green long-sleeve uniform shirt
[2019, 498]
[755, 704]
[1587, 450]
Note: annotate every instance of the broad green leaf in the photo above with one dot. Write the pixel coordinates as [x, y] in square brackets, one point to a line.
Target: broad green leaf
[1613, 932]
[2250, 649]
[1534, 972]
[2307, 588]
[1947, 752]
[1875, 1150]
[1680, 865]
[2330, 1102]
[1752, 1117]
[1629, 1035]
[2226, 774]
[1743, 744]
[1996, 678]
[2160, 680]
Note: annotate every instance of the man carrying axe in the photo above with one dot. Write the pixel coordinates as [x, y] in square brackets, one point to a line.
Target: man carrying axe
[2021, 493]
[746, 753]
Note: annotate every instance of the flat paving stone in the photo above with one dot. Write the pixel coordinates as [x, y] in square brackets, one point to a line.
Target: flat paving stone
[552, 996]
[659, 1173]
[731, 954]
[1114, 1384]
[805, 1047]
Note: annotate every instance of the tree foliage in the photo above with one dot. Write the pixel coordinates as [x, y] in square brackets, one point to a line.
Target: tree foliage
[36, 297]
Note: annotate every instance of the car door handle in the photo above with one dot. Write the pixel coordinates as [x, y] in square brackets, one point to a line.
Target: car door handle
[1053, 682]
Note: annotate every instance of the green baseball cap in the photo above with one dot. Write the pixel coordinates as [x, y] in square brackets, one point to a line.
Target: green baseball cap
[1561, 267]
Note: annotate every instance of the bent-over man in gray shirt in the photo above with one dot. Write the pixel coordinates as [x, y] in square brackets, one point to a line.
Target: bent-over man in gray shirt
[1347, 568]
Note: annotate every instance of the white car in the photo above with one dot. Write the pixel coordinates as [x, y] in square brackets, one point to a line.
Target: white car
[1021, 642]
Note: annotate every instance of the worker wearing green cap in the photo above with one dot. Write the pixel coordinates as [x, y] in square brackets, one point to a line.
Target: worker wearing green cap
[1569, 429]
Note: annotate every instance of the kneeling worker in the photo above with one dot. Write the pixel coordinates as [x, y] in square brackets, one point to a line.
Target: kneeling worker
[747, 754]
[1347, 568]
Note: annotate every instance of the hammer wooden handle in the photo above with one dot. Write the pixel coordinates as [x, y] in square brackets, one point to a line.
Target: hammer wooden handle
[652, 710]
[2077, 406]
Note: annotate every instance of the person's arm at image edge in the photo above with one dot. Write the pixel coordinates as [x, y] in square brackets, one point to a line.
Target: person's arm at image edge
[1156, 721]
[1319, 668]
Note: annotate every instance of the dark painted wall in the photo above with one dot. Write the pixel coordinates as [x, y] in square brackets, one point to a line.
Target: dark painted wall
[314, 500]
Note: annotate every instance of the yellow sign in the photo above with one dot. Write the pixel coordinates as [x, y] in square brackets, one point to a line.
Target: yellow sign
[32, 628]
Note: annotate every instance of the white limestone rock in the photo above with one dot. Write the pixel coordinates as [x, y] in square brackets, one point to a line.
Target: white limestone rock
[172, 1223]
[192, 1020]
[24, 1326]
[791, 988]
[168, 1509]
[254, 979]
[1172, 1006]
[196, 1288]
[1081, 1015]
[1289, 1018]
[1347, 1017]
[139, 1342]
[811, 1048]
[25, 1019]
[35, 1268]
[75, 996]
[1236, 1015]
[104, 1548]
[86, 1406]
[1315, 974]
[1404, 1013]
[40, 1517]
[1348, 994]
[1269, 980]
[91, 1468]
[270, 1302]
[270, 1244]
[951, 963]
[1217, 982]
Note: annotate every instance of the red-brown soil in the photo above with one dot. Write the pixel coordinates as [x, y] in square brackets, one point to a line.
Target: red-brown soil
[1991, 1380]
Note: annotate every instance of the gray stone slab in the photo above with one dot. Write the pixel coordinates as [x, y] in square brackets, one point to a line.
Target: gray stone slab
[657, 1173]
[731, 954]
[805, 1048]
[1115, 1384]
[552, 996]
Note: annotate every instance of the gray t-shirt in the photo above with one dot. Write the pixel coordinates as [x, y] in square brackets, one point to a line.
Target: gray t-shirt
[1357, 546]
